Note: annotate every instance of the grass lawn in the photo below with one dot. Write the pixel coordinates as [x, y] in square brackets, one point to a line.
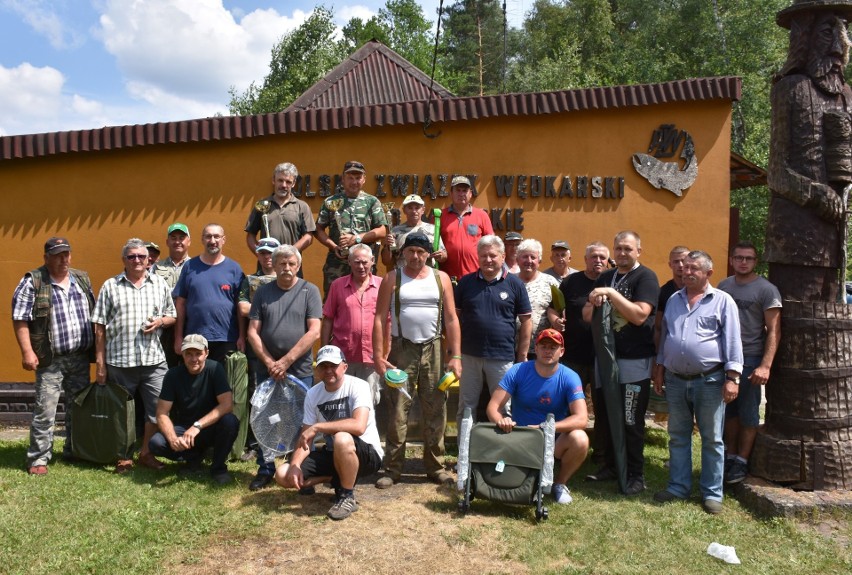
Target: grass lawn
[84, 519]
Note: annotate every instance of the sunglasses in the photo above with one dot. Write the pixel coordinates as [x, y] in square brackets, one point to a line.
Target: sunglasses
[136, 257]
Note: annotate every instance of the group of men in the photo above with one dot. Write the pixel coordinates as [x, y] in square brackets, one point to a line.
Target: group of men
[472, 316]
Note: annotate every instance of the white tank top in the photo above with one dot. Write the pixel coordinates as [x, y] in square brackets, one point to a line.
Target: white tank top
[418, 315]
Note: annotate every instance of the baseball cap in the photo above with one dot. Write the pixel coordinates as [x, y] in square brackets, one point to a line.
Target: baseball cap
[417, 241]
[56, 245]
[194, 341]
[413, 199]
[460, 181]
[353, 166]
[178, 227]
[560, 244]
[513, 237]
[330, 354]
[152, 246]
[551, 334]
[267, 245]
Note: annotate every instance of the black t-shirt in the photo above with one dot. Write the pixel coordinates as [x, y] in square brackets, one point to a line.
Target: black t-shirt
[579, 347]
[638, 285]
[193, 396]
[667, 290]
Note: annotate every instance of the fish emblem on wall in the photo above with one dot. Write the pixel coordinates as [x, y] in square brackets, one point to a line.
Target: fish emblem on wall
[674, 176]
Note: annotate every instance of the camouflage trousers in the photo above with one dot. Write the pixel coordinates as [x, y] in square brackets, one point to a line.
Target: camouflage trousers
[422, 363]
[69, 373]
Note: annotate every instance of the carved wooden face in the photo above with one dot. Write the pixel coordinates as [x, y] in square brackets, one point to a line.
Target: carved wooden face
[829, 46]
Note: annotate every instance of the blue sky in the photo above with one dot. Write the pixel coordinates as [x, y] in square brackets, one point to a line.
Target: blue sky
[78, 64]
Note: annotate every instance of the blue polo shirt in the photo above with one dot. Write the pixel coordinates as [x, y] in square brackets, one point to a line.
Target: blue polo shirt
[487, 312]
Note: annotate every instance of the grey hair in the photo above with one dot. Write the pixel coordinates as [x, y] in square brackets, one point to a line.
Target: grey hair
[628, 233]
[596, 246]
[285, 251]
[360, 248]
[285, 168]
[530, 246]
[491, 241]
[698, 255]
[133, 243]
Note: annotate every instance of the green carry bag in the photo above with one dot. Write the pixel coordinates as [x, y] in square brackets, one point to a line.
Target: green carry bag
[236, 367]
[103, 426]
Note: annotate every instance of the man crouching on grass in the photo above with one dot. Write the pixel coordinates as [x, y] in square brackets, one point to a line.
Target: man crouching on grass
[543, 386]
[341, 409]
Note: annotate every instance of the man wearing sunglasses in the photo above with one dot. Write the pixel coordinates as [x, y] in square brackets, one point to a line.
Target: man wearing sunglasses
[131, 312]
[759, 304]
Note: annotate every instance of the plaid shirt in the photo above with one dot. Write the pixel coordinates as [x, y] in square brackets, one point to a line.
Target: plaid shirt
[124, 310]
[70, 327]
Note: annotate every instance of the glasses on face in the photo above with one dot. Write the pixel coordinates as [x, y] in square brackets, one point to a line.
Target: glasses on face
[136, 257]
[744, 258]
[212, 237]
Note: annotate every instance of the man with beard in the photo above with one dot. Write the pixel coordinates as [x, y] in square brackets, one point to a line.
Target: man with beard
[290, 219]
[206, 298]
[810, 158]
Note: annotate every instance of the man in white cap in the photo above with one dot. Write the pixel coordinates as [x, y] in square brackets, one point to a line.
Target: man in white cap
[462, 226]
[340, 409]
[413, 208]
[194, 412]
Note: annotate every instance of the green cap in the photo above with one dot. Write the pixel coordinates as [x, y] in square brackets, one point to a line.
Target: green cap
[178, 227]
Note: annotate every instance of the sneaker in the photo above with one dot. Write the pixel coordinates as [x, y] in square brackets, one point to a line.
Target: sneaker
[561, 494]
[635, 485]
[736, 473]
[729, 461]
[604, 473]
[666, 496]
[343, 508]
[260, 482]
[712, 506]
[386, 482]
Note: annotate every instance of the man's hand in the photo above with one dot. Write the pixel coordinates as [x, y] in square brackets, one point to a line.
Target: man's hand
[153, 326]
[455, 365]
[382, 365]
[188, 437]
[178, 344]
[278, 369]
[659, 376]
[730, 391]
[506, 424]
[346, 240]
[176, 443]
[598, 296]
[294, 477]
[29, 361]
[760, 376]
[829, 206]
[306, 439]
[241, 344]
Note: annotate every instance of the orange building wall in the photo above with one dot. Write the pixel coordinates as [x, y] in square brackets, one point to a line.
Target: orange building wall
[100, 199]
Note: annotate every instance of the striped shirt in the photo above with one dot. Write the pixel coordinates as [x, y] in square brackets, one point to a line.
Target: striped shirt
[124, 310]
[70, 327]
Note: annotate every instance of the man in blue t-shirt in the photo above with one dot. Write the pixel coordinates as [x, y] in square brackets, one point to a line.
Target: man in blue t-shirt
[544, 386]
[207, 296]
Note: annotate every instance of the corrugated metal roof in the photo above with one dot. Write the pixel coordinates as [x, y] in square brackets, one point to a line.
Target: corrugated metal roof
[374, 74]
[320, 119]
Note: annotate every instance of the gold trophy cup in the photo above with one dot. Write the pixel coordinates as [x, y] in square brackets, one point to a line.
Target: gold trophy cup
[263, 206]
[334, 206]
[388, 206]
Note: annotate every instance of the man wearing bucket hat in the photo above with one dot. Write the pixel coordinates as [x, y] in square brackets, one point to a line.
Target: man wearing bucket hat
[194, 412]
[413, 207]
[340, 408]
[461, 228]
[420, 300]
[543, 386]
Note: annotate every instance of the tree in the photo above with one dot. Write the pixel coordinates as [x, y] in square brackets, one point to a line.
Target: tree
[299, 59]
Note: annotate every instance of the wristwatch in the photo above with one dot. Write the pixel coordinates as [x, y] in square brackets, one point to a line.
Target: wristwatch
[197, 424]
[736, 379]
[358, 239]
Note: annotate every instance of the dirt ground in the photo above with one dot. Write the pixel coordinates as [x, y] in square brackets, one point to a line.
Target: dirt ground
[369, 541]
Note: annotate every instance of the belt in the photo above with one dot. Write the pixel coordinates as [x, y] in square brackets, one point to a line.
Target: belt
[714, 369]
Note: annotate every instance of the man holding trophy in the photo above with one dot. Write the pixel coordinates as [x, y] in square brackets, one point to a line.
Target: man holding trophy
[347, 219]
[282, 215]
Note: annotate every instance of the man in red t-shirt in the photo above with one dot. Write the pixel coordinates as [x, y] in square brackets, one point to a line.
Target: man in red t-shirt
[462, 226]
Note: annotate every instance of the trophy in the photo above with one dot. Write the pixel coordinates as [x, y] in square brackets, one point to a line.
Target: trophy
[388, 206]
[263, 206]
[334, 207]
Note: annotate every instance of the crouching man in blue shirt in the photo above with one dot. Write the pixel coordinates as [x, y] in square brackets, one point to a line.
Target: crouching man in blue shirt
[543, 386]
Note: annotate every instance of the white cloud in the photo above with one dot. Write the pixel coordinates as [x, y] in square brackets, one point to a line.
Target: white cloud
[346, 13]
[29, 91]
[42, 17]
[190, 49]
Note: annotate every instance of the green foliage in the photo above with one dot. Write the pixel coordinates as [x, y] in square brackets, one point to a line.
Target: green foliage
[299, 59]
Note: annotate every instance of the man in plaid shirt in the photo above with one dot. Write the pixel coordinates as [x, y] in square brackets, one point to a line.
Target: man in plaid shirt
[131, 312]
[50, 313]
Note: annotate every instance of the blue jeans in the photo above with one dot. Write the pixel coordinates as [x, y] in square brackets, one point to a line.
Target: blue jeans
[221, 436]
[747, 404]
[700, 398]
